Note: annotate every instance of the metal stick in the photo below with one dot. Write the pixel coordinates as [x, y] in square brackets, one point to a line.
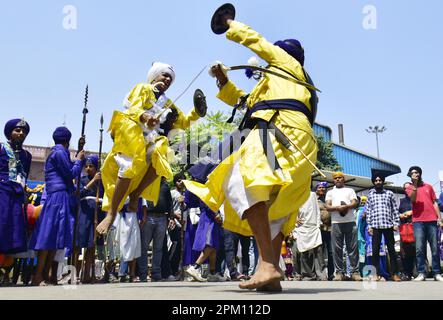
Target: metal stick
[97, 195]
[80, 148]
[291, 146]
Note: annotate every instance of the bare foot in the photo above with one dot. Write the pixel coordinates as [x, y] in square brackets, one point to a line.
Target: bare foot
[39, 282]
[104, 226]
[273, 286]
[282, 273]
[45, 284]
[36, 280]
[266, 274]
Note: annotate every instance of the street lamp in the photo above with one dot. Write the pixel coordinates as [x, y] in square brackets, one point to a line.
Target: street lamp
[376, 130]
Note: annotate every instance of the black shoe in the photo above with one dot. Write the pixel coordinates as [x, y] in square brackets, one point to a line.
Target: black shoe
[405, 278]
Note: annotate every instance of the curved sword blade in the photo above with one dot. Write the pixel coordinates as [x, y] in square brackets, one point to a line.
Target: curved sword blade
[302, 83]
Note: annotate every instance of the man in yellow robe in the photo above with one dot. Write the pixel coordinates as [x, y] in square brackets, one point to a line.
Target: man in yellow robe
[258, 199]
[140, 155]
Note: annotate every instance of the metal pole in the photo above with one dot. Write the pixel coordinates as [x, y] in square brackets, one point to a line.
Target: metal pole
[376, 138]
[97, 197]
[74, 257]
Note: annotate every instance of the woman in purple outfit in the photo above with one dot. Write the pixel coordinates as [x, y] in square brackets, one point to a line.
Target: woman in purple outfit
[55, 226]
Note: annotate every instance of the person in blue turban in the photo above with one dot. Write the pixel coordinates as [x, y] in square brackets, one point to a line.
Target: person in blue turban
[263, 188]
[92, 160]
[15, 165]
[55, 226]
[62, 135]
[89, 183]
[323, 184]
[294, 48]
[13, 124]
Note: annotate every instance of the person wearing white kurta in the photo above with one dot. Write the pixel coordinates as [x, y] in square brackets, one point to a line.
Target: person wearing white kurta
[128, 238]
[309, 241]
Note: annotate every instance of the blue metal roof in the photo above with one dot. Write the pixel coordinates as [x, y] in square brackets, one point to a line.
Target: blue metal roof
[352, 161]
[322, 130]
[359, 164]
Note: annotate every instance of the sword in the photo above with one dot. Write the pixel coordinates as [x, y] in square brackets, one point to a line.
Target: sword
[291, 146]
[274, 73]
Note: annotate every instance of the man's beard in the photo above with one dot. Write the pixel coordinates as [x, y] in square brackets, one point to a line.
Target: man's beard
[16, 144]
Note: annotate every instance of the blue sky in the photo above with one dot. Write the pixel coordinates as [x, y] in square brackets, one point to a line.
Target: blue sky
[389, 76]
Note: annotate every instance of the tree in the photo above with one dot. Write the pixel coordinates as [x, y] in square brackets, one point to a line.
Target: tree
[196, 142]
[325, 157]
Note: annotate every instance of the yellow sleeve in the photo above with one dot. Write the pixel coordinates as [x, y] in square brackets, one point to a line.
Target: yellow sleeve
[140, 100]
[272, 54]
[230, 94]
[184, 121]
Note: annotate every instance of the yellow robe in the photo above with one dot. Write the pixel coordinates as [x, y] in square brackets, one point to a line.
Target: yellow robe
[284, 194]
[129, 141]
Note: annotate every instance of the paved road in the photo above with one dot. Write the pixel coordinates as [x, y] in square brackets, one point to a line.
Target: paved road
[229, 290]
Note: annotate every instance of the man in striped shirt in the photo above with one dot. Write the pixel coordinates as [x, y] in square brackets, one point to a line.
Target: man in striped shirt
[383, 219]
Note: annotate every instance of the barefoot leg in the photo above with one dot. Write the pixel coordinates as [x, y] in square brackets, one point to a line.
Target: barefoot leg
[132, 265]
[47, 268]
[204, 255]
[76, 261]
[275, 285]
[147, 179]
[49, 271]
[41, 261]
[267, 271]
[276, 245]
[121, 187]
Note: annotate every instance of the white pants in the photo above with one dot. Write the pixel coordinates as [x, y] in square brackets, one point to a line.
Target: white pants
[240, 198]
[124, 163]
[128, 236]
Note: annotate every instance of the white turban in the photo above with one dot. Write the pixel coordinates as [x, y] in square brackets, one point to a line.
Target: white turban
[158, 68]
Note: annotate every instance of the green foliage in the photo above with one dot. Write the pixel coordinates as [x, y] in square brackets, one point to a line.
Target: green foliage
[216, 125]
[214, 128]
[198, 138]
[325, 157]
